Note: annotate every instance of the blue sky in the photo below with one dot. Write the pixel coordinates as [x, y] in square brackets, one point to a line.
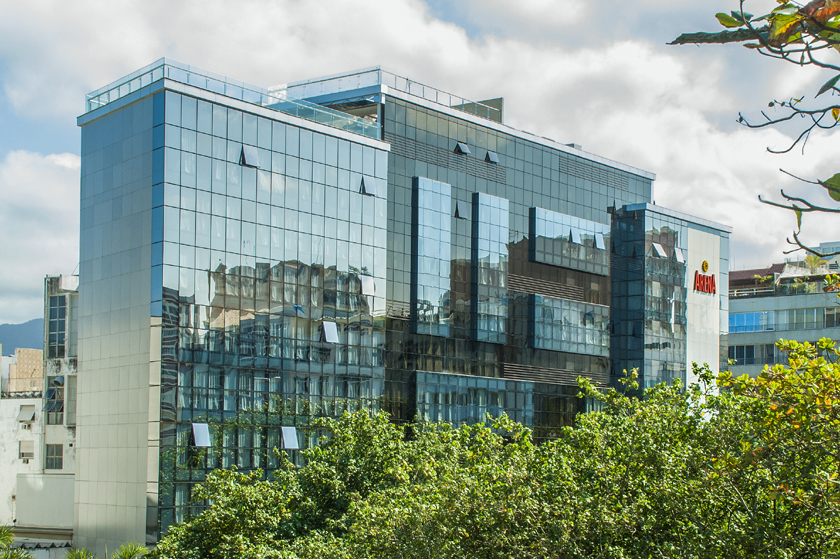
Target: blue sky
[597, 73]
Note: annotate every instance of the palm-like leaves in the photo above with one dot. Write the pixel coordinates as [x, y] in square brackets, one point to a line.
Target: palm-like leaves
[131, 550]
[7, 537]
[80, 554]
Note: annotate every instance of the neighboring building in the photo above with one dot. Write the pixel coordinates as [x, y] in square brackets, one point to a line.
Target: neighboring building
[249, 256]
[20, 425]
[783, 301]
[20, 449]
[61, 298]
[27, 371]
[832, 258]
[37, 427]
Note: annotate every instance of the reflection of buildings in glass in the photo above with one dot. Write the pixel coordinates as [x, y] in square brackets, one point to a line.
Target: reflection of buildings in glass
[651, 291]
[248, 262]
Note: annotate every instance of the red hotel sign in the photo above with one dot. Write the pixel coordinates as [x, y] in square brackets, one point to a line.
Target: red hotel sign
[704, 283]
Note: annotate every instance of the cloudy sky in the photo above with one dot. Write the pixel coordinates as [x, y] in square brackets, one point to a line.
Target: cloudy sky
[594, 72]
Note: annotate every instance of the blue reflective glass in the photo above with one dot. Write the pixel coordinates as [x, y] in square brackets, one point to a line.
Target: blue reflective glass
[491, 232]
[430, 305]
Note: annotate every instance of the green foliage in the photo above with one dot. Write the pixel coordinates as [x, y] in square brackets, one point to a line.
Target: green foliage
[814, 262]
[763, 279]
[726, 468]
[17, 553]
[7, 538]
[130, 550]
[80, 554]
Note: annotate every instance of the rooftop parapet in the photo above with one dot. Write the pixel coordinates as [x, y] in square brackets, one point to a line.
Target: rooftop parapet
[377, 77]
[276, 100]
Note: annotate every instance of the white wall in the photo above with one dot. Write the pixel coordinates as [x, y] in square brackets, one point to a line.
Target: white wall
[45, 500]
[703, 309]
[11, 432]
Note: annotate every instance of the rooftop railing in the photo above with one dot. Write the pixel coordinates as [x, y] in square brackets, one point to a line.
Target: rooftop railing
[377, 76]
[275, 100]
[803, 288]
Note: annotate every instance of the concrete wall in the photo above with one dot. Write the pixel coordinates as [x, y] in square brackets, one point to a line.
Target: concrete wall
[11, 433]
[703, 309]
[45, 500]
[52, 553]
[114, 325]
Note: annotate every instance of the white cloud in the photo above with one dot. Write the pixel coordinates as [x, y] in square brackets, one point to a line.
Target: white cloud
[39, 228]
[606, 81]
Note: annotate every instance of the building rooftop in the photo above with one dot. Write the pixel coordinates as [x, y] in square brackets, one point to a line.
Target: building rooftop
[784, 279]
[741, 276]
[307, 99]
[166, 68]
[371, 82]
[661, 210]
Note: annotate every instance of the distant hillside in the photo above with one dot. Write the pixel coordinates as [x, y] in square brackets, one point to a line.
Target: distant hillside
[28, 335]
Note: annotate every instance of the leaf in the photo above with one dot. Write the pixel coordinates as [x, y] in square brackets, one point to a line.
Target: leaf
[835, 112]
[786, 10]
[812, 7]
[833, 186]
[826, 13]
[828, 85]
[752, 46]
[798, 219]
[742, 16]
[727, 20]
[783, 28]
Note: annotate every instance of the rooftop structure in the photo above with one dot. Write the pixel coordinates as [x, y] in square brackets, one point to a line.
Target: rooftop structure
[189, 75]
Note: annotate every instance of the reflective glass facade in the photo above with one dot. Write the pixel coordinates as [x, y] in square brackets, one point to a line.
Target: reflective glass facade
[430, 303]
[562, 325]
[649, 298]
[570, 242]
[652, 282]
[244, 270]
[261, 235]
[490, 233]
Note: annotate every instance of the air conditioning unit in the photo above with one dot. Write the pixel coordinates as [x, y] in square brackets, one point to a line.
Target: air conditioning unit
[26, 460]
[26, 426]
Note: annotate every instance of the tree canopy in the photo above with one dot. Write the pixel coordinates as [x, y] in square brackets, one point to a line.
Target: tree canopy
[727, 468]
[802, 35]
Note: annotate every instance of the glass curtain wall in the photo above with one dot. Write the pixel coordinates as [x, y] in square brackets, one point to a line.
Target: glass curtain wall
[265, 242]
[491, 232]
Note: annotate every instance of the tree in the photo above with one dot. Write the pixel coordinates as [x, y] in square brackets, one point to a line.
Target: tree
[752, 471]
[814, 262]
[802, 35]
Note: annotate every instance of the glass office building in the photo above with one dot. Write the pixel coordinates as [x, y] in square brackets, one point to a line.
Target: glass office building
[252, 257]
[670, 304]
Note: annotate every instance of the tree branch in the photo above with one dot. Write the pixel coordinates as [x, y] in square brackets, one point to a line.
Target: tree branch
[721, 37]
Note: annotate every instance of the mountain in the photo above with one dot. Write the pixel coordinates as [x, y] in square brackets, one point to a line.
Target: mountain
[28, 335]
